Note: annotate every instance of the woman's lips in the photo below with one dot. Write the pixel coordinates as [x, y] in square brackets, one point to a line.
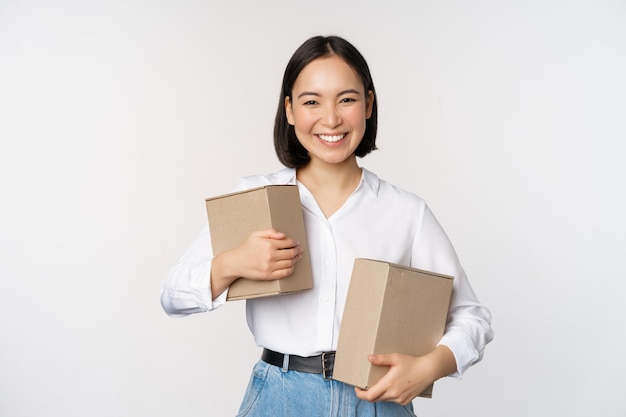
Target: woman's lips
[332, 138]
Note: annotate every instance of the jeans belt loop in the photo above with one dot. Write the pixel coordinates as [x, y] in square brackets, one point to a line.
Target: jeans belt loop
[327, 372]
[285, 363]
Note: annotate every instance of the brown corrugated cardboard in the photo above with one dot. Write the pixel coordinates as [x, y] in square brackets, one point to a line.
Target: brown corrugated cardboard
[232, 217]
[389, 309]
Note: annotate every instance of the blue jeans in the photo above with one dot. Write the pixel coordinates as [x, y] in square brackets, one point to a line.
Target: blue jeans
[274, 392]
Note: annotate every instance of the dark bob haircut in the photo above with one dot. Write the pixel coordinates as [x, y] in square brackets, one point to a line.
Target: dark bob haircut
[288, 149]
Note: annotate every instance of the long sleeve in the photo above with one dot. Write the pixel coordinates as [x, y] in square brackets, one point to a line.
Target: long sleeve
[400, 229]
[187, 289]
[468, 327]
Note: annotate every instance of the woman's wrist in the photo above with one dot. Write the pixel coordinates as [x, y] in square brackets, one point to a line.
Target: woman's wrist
[443, 362]
[221, 276]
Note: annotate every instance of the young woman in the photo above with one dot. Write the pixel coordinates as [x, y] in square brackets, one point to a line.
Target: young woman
[326, 118]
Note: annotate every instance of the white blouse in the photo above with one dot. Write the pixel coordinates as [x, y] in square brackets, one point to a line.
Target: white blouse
[378, 221]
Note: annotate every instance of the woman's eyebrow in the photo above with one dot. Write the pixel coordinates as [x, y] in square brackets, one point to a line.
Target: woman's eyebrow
[348, 91]
[308, 93]
[341, 93]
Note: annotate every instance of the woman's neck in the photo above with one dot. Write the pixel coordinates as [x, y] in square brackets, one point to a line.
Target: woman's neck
[330, 184]
[333, 176]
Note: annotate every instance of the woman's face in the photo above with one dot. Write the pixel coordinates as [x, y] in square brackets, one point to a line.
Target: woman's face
[328, 109]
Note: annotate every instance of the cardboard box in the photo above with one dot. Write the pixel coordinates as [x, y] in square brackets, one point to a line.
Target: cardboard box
[389, 309]
[232, 217]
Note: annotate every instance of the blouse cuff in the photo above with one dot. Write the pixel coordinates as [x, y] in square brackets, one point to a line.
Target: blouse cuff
[201, 289]
[463, 350]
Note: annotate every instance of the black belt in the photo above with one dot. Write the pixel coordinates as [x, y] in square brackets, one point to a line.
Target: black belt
[320, 364]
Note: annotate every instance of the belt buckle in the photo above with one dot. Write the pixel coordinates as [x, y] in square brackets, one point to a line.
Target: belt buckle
[327, 372]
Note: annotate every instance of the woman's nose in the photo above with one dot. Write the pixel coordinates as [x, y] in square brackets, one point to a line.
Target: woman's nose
[332, 118]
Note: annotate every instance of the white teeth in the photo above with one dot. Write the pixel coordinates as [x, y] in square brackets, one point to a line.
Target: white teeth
[332, 139]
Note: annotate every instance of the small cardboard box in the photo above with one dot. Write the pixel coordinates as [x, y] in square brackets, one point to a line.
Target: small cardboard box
[232, 217]
[389, 309]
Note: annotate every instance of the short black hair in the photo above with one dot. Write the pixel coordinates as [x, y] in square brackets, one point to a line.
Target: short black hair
[288, 149]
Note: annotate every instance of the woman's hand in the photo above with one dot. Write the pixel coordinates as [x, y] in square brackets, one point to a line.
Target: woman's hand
[408, 376]
[264, 255]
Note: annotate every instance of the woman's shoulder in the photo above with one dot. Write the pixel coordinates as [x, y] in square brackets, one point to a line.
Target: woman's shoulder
[387, 190]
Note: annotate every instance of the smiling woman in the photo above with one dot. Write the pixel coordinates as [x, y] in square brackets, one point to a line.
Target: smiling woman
[325, 119]
[117, 119]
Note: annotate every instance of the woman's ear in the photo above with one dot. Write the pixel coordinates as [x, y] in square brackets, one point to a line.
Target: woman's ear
[369, 104]
[289, 111]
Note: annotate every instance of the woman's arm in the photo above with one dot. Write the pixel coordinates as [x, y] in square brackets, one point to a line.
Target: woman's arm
[468, 326]
[198, 282]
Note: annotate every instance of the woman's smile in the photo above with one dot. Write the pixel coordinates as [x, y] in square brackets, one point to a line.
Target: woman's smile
[332, 138]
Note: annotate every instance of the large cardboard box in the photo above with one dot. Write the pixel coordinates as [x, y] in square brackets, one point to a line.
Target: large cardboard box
[232, 217]
[389, 309]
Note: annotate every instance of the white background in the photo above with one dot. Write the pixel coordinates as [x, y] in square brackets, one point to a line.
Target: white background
[117, 119]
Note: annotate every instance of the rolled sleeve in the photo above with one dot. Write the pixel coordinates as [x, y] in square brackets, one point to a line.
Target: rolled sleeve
[187, 289]
[467, 350]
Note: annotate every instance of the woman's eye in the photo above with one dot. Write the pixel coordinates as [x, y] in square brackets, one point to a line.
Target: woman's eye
[310, 102]
[347, 100]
